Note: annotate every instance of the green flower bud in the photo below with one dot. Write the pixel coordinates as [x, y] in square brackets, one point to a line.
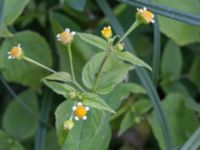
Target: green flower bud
[72, 95]
[68, 124]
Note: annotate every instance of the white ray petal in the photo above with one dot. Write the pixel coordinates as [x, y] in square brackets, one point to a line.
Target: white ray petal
[67, 30]
[74, 108]
[79, 104]
[73, 33]
[76, 118]
[87, 108]
[9, 57]
[58, 35]
[84, 117]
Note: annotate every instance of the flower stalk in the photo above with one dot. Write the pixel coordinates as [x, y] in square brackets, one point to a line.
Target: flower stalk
[131, 28]
[38, 64]
[99, 71]
[71, 61]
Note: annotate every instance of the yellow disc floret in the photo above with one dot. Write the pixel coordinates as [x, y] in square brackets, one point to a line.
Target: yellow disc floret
[106, 32]
[15, 52]
[66, 36]
[145, 16]
[80, 111]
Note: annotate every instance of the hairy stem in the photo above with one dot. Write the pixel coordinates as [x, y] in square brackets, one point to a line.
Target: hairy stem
[99, 71]
[131, 28]
[71, 61]
[38, 64]
[50, 70]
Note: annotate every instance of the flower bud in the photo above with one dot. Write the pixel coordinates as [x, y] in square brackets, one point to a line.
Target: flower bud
[120, 46]
[72, 95]
[68, 124]
[107, 32]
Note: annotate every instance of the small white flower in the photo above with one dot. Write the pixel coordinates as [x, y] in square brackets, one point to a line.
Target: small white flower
[15, 52]
[145, 16]
[66, 36]
[80, 111]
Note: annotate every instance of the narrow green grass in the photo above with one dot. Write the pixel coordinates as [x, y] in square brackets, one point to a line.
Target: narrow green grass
[193, 142]
[167, 12]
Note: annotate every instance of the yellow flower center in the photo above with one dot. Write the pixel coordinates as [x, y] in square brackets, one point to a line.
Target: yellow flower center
[16, 52]
[147, 15]
[107, 32]
[65, 37]
[80, 111]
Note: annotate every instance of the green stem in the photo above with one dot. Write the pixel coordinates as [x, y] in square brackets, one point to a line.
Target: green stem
[131, 28]
[38, 64]
[79, 86]
[71, 61]
[120, 112]
[99, 71]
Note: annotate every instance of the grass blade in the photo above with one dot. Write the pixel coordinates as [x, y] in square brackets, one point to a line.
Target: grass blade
[21, 102]
[193, 142]
[41, 132]
[156, 53]
[145, 79]
[167, 12]
[1, 14]
[9, 89]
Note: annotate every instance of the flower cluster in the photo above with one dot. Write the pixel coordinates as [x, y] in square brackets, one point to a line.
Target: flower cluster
[79, 111]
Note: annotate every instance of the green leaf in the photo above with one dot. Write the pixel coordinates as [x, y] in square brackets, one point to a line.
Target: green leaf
[181, 33]
[20, 71]
[120, 92]
[79, 137]
[17, 121]
[62, 113]
[182, 120]
[75, 4]
[142, 106]
[175, 87]
[59, 88]
[93, 40]
[51, 142]
[95, 101]
[9, 14]
[7, 143]
[171, 63]
[181, 89]
[195, 72]
[126, 123]
[59, 83]
[129, 57]
[4, 32]
[59, 76]
[109, 75]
